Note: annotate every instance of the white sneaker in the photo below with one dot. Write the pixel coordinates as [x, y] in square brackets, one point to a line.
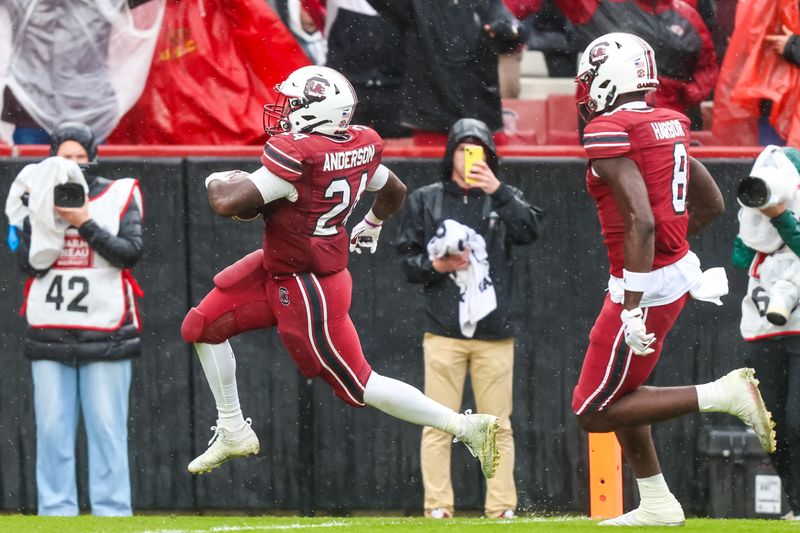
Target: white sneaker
[508, 514]
[669, 515]
[224, 446]
[744, 401]
[480, 438]
[440, 514]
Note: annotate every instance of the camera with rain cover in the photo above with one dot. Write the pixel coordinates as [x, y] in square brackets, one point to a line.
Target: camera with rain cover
[765, 187]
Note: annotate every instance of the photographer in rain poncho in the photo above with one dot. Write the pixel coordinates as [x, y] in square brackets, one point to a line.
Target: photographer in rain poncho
[768, 245]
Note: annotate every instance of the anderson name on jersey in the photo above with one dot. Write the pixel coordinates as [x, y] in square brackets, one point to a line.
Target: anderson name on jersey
[656, 140]
[330, 175]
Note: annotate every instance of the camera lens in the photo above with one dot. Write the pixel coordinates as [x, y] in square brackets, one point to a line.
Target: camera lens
[752, 192]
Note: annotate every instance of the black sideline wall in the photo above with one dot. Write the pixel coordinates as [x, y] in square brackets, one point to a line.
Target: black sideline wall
[317, 454]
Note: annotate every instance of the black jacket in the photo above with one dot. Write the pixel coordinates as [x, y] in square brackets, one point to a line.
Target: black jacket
[450, 62]
[503, 219]
[792, 51]
[123, 251]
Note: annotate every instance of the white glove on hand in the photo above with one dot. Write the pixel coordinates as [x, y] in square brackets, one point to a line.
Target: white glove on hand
[365, 234]
[636, 335]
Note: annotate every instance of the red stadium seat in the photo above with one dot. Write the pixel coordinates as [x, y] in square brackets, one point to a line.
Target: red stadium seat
[562, 119]
[525, 121]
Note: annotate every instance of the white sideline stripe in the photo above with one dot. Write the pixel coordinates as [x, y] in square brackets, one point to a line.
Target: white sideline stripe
[609, 366]
[328, 335]
[311, 339]
[250, 528]
[389, 522]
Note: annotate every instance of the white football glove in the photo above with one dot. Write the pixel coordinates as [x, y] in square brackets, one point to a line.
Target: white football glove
[365, 234]
[636, 335]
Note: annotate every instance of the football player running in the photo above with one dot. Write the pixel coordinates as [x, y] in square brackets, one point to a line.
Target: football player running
[650, 194]
[315, 168]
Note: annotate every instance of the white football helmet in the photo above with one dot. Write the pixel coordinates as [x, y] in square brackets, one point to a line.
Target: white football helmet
[312, 99]
[613, 64]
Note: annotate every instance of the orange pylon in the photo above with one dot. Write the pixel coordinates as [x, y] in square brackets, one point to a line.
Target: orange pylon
[605, 475]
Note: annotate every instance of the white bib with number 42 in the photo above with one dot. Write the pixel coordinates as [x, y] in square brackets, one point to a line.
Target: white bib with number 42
[82, 290]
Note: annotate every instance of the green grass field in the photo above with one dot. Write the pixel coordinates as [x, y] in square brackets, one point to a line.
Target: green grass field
[225, 524]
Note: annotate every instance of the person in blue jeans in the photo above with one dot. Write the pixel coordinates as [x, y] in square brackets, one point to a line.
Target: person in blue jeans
[83, 329]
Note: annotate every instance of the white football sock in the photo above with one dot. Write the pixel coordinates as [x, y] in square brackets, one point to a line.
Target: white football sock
[219, 366]
[405, 402]
[711, 397]
[653, 491]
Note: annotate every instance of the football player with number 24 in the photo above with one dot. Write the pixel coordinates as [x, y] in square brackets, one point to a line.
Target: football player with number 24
[315, 168]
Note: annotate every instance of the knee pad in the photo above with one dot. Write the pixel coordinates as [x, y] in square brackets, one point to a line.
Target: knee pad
[193, 325]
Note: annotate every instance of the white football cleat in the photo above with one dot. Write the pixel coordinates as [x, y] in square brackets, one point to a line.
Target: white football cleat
[480, 438]
[224, 446]
[667, 515]
[744, 401]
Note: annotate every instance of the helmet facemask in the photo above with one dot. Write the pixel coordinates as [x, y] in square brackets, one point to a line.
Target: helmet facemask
[276, 116]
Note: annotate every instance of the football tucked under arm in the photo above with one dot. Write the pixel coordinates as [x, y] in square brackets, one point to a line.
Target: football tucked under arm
[242, 196]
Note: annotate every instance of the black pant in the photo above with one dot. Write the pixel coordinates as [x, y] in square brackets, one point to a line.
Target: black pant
[777, 365]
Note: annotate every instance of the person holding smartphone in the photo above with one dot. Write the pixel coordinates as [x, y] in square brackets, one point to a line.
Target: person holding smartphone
[83, 331]
[499, 213]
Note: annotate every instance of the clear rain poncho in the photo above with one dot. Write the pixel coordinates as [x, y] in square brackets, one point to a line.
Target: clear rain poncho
[84, 60]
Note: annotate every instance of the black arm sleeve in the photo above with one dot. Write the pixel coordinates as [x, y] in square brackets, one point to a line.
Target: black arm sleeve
[122, 250]
[792, 51]
[523, 221]
[411, 243]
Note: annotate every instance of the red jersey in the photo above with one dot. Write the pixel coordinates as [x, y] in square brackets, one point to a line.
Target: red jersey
[330, 175]
[657, 141]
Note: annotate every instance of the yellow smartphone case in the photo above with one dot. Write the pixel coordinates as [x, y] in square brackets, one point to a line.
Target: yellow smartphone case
[472, 154]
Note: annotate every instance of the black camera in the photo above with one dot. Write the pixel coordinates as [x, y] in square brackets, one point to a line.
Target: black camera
[765, 187]
[69, 195]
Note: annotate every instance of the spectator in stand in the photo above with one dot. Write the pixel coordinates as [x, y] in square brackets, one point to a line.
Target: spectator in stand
[510, 63]
[757, 98]
[304, 28]
[367, 49]
[687, 62]
[453, 50]
[61, 65]
[553, 35]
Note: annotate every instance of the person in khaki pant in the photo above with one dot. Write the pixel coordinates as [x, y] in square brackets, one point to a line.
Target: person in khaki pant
[503, 218]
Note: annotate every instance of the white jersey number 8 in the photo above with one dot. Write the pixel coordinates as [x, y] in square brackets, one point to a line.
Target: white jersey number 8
[680, 175]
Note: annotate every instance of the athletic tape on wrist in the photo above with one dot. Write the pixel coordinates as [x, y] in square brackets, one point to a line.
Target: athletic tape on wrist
[372, 221]
[635, 281]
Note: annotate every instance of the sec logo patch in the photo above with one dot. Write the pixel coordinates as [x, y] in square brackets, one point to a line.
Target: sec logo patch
[283, 295]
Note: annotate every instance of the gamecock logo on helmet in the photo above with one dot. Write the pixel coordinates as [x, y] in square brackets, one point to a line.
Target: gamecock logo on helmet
[315, 89]
[598, 54]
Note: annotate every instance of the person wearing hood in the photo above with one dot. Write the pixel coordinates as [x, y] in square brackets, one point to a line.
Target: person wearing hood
[83, 331]
[500, 215]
